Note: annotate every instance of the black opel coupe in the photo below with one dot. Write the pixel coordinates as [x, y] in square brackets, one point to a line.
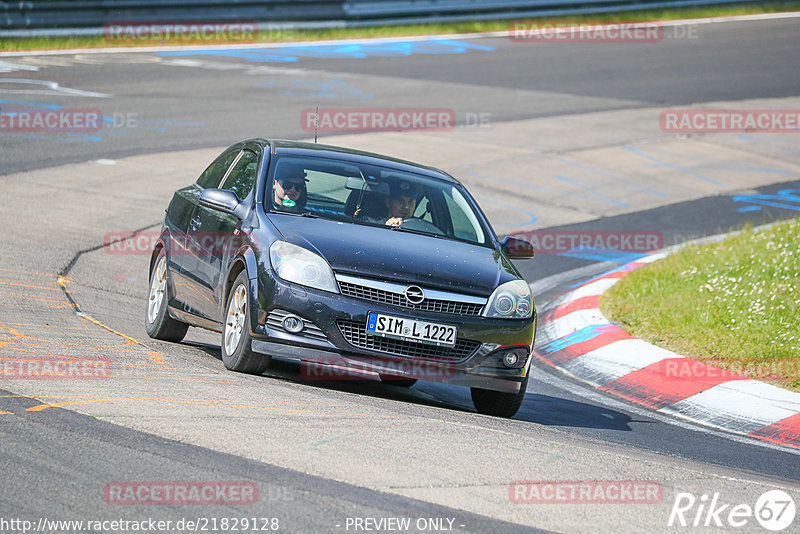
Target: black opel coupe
[356, 265]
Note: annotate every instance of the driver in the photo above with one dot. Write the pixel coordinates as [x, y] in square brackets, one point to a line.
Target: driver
[401, 202]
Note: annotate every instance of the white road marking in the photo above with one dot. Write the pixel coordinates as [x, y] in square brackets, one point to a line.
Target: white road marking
[14, 67]
[747, 404]
[44, 87]
[572, 322]
[617, 359]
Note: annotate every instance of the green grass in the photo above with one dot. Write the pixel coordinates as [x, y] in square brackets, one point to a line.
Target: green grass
[63, 43]
[734, 305]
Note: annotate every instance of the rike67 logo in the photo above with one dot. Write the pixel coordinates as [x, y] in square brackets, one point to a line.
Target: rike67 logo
[774, 510]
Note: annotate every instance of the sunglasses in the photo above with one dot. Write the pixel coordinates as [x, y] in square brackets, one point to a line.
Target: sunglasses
[288, 185]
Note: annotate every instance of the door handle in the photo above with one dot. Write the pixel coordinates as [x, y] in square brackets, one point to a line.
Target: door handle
[195, 222]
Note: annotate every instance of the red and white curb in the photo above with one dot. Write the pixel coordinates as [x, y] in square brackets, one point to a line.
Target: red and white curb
[580, 341]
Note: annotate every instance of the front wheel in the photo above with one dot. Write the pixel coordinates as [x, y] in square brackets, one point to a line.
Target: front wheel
[157, 322]
[498, 403]
[237, 354]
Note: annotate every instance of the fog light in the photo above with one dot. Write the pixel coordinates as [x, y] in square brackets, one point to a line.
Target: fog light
[293, 324]
[511, 358]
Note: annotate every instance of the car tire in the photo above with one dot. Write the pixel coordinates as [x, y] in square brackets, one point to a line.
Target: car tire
[397, 381]
[237, 354]
[498, 403]
[157, 322]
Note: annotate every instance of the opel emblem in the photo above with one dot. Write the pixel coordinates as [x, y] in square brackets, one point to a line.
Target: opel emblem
[414, 294]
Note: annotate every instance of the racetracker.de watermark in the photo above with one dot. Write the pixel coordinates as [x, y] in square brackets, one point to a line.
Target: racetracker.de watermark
[71, 120]
[169, 493]
[191, 31]
[688, 121]
[329, 120]
[199, 243]
[586, 492]
[562, 241]
[623, 32]
[686, 368]
[341, 369]
[56, 369]
[51, 120]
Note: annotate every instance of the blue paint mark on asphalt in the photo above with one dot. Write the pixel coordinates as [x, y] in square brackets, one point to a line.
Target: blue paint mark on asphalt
[614, 177]
[168, 123]
[537, 187]
[760, 140]
[688, 169]
[292, 53]
[86, 138]
[708, 164]
[82, 138]
[31, 104]
[109, 126]
[515, 182]
[533, 218]
[579, 336]
[780, 200]
[153, 125]
[577, 183]
[332, 88]
[602, 254]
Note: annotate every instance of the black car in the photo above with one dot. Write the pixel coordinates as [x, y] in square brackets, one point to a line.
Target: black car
[354, 264]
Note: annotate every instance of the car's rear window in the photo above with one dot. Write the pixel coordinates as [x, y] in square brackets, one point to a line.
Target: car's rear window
[377, 196]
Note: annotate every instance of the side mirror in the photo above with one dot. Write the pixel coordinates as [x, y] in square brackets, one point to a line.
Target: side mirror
[515, 248]
[224, 201]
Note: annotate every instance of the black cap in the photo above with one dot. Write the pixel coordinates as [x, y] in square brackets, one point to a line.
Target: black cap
[401, 187]
[292, 171]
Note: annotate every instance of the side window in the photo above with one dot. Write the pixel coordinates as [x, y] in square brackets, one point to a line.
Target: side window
[243, 175]
[212, 176]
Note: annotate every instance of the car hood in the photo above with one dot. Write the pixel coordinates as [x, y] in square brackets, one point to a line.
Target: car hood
[398, 256]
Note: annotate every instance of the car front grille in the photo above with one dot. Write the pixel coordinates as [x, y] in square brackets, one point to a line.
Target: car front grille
[398, 299]
[356, 334]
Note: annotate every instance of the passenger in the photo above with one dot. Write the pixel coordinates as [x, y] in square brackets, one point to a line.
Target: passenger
[290, 192]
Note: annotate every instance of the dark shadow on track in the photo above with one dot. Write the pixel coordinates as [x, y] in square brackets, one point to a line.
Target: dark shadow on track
[554, 411]
[539, 409]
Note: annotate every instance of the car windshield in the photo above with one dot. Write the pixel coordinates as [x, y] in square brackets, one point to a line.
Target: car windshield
[373, 195]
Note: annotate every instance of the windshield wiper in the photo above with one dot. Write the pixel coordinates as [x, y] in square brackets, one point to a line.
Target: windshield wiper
[418, 232]
[301, 214]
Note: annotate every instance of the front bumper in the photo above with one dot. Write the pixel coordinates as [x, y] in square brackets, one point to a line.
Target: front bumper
[322, 346]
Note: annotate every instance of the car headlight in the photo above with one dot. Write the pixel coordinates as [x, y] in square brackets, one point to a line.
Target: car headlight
[511, 300]
[301, 266]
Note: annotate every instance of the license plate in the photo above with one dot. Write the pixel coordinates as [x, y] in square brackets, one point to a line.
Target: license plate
[442, 335]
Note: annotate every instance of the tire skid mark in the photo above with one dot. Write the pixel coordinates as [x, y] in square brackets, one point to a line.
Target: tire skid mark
[116, 365]
[62, 280]
[41, 407]
[122, 347]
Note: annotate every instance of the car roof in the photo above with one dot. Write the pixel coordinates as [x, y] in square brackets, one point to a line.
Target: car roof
[299, 148]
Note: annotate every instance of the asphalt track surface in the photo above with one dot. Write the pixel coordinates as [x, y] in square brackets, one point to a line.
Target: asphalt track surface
[324, 452]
